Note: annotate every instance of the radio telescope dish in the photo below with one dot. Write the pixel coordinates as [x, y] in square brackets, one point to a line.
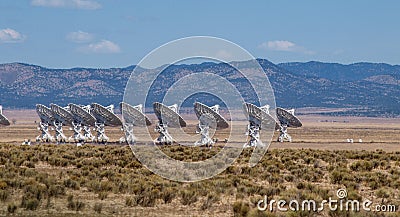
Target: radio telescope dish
[211, 113]
[259, 118]
[104, 117]
[46, 119]
[3, 119]
[287, 119]
[259, 114]
[82, 114]
[167, 117]
[45, 114]
[209, 117]
[61, 117]
[133, 116]
[82, 118]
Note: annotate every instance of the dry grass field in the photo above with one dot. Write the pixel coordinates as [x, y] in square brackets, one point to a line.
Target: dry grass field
[97, 180]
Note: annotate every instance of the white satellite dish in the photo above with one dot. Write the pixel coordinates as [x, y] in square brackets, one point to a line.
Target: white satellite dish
[167, 117]
[286, 119]
[104, 117]
[209, 117]
[82, 114]
[82, 118]
[61, 117]
[133, 116]
[46, 119]
[3, 119]
[259, 118]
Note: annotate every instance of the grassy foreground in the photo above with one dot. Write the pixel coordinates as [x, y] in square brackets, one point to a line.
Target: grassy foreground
[64, 180]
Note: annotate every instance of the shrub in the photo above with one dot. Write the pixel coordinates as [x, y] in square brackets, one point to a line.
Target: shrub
[240, 209]
[56, 190]
[129, 201]
[188, 197]
[74, 205]
[103, 195]
[210, 200]
[98, 207]
[168, 195]
[29, 203]
[382, 193]
[147, 198]
[69, 183]
[11, 208]
[4, 194]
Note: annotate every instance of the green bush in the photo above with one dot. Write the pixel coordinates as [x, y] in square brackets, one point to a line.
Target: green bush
[74, 204]
[30, 203]
[98, 207]
[240, 209]
[188, 197]
[168, 195]
[11, 208]
[210, 200]
[103, 195]
[4, 194]
[130, 201]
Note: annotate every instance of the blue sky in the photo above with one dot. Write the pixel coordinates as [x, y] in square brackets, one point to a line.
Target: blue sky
[118, 33]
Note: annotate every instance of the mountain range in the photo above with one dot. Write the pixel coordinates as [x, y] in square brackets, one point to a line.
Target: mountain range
[371, 89]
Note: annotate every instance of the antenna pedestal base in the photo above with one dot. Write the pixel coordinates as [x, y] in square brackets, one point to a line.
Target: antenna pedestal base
[164, 138]
[101, 133]
[88, 136]
[77, 137]
[205, 138]
[60, 137]
[129, 136]
[45, 136]
[253, 131]
[284, 135]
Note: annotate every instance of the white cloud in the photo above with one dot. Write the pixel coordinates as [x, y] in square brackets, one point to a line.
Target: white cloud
[279, 45]
[78, 4]
[79, 37]
[282, 45]
[104, 46]
[11, 36]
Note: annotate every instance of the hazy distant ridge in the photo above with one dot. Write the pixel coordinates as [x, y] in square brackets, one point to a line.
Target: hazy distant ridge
[371, 87]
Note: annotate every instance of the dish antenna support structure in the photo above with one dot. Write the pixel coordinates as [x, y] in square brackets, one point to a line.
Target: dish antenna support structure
[209, 117]
[83, 120]
[259, 118]
[104, 117]
[167, 117]
[46, 120]
[62, 117]
[287, 119]
[133, 116]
